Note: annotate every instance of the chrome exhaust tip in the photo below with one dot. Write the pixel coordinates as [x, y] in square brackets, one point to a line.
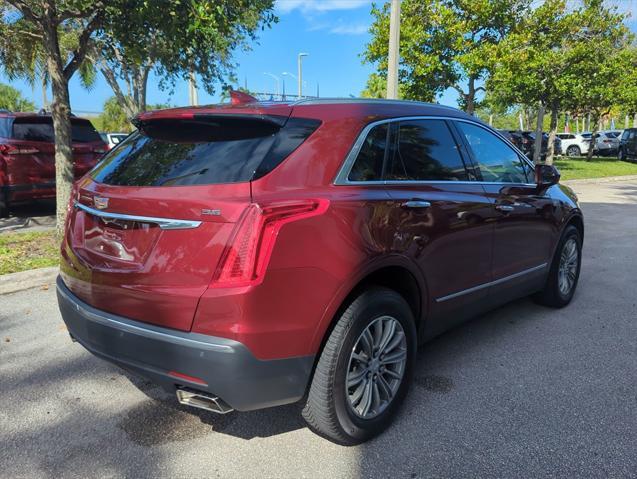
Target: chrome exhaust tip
[203, 400]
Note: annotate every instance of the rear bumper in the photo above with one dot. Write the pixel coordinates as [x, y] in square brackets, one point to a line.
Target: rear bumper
[27, 192]
[228, 369]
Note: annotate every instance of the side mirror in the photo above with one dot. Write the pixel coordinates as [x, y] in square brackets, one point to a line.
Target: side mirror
[546, 175]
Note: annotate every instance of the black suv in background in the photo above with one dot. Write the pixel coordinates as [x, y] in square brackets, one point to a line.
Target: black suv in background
[627, 149]
[525, 142]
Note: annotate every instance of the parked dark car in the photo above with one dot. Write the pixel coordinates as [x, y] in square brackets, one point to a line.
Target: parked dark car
[627, 149]
[525, 142]
[522, 141]
[254, 255]
[27, 156]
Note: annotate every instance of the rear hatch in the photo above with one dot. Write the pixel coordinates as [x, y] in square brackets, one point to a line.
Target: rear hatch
[152, 220]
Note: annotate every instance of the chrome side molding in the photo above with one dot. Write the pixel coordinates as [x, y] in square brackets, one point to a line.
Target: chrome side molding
[163, 223]
[491, 283]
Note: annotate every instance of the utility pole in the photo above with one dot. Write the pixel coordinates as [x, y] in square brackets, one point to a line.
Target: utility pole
[192, 90]
[394, 50]
[299, 75]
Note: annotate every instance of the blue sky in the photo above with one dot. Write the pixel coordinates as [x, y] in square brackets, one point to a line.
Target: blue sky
[333, 33]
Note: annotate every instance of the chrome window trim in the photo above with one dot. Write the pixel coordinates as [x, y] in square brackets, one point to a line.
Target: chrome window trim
[491, 283]
[163, 223]
[345, 169]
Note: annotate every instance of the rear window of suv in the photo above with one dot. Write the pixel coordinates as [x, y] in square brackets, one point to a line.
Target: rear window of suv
[41, 129]
[177, 152]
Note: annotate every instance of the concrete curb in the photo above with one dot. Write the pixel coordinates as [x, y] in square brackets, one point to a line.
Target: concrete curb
[34, 278]
[606, 179]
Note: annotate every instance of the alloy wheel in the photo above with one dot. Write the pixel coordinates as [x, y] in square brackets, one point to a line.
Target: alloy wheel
[567, 272]
[376, 367]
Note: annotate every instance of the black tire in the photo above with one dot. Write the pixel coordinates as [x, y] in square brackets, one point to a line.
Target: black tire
[620, 155]
[573, 150]
[552, 295]
[328, 410]
[4, 205]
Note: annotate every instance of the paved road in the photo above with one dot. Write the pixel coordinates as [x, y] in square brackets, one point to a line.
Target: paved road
[36, 216]
[521, 392]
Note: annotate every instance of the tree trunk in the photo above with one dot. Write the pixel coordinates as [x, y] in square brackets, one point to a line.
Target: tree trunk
[134, 101]
[45, 100]
[594, 129]
[550, 150]
[537, 148]
[635, 120]
[470, 97]
[61, 109]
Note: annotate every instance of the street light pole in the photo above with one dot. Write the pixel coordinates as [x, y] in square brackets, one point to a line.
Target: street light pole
[300, 73]
[192, 89]
[394, 50]
[278, 90]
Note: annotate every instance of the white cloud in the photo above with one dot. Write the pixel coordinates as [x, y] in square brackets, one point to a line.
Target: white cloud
[308, 6]
[359, 29]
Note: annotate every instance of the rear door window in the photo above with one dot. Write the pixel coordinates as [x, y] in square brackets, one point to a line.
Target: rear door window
[426, 151]
[201, 151]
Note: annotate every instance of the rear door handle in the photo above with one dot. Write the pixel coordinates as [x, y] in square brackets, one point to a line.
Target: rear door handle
[416, 204]
[505, 208]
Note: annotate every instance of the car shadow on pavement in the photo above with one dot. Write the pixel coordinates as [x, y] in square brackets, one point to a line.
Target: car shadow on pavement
[149, 422]
[37, 215]
[163, 410]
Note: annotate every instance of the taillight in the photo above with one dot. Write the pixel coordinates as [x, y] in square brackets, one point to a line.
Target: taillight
[246, 257]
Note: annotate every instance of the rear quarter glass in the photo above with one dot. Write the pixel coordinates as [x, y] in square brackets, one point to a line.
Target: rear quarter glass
[179, 152]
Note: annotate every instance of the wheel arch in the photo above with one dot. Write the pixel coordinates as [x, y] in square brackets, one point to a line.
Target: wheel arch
[578, 221]
[396, 273]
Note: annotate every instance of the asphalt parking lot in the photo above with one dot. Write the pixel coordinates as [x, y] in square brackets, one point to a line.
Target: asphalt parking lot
[523, 391]
[36, 216]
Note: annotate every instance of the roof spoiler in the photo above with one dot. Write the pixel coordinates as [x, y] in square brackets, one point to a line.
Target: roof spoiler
[276, 120]
[240, 98]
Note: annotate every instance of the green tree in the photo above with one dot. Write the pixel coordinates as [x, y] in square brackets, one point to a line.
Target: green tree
[530, 65]
[173, 39]
[11, 99]
[594, 80]
[549, 62]
[626, 91]
[444, 44]
[376, 87]
[45, 23]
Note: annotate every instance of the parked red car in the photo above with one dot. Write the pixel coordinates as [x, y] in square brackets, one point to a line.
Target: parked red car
[253, 255]
[27, 155]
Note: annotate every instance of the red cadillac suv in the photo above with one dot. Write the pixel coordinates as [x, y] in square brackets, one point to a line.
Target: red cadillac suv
[27, 155]
[258, 254]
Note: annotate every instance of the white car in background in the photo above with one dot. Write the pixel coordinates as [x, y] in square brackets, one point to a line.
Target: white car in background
[606, 141]
[574, 144]
[113, 139]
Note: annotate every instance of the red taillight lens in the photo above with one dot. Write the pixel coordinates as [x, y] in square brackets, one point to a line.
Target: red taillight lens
[246, 258]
